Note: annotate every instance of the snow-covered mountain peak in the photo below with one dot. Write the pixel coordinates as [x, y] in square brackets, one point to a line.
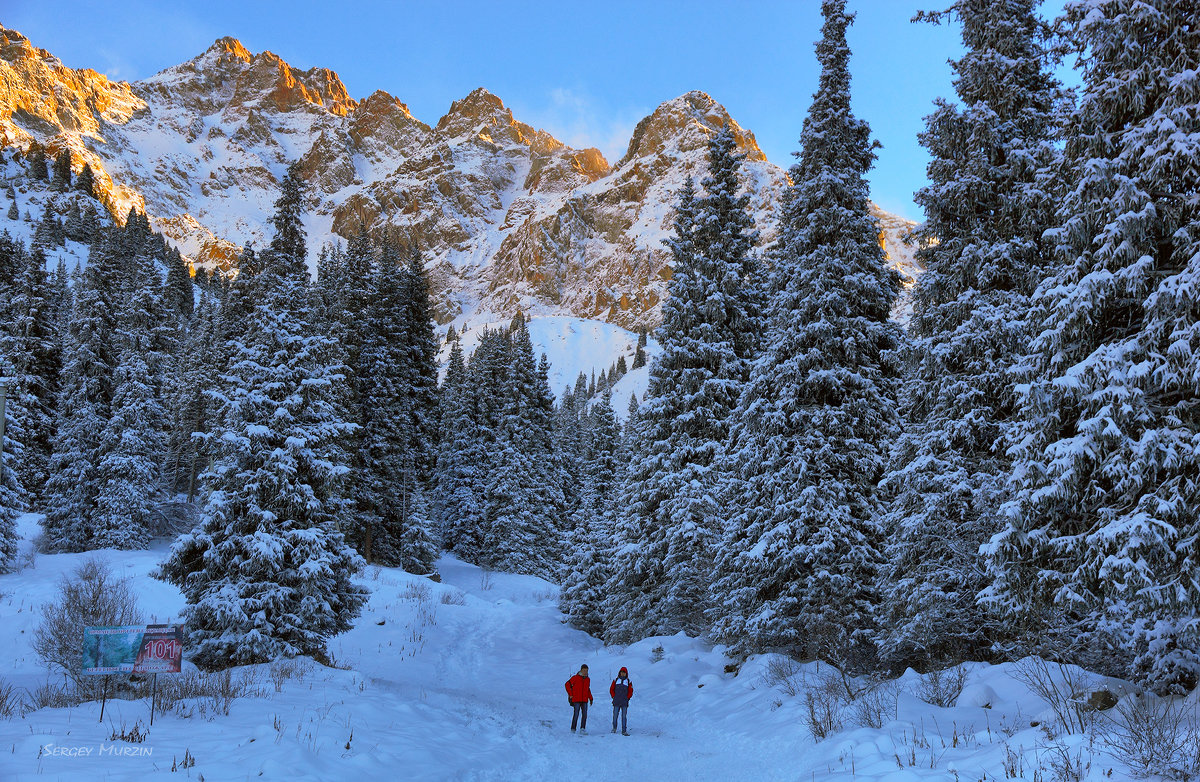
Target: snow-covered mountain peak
[507, 216]
[684, 124]
[227, 72]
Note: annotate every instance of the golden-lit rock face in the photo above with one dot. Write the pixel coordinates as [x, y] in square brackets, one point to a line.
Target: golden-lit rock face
[508, 217]
[63, 108]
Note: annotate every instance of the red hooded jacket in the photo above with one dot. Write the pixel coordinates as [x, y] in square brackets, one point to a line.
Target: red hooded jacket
[579, 689]
[621, 689]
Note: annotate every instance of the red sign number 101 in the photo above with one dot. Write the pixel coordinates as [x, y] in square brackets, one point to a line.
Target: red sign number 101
[162, 650]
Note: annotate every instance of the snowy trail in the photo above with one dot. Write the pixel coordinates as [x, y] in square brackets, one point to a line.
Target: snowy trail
[499, 665]
[463, 680]
[457, 680]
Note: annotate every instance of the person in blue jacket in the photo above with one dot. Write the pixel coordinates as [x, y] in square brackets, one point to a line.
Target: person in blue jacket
[621, 691]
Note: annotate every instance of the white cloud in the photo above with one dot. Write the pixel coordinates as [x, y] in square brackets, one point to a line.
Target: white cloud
[580, 121]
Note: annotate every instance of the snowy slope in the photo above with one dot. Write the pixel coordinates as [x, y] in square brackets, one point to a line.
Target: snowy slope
[464, 680]
[572, 346]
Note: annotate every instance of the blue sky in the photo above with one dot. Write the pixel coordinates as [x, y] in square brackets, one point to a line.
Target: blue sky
[586, 72]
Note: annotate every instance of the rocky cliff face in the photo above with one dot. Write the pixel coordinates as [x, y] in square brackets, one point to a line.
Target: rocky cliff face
[508, 217]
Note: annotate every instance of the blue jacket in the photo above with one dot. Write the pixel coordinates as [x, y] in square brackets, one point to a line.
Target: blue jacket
[621, 691]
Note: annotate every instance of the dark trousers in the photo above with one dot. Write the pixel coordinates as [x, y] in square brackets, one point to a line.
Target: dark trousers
[580, 708]
[624, 712]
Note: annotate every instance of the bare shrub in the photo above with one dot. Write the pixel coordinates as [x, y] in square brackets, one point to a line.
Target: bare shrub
[453, 599]
[1066, 765]
[415, 590]
[827, 694]
[823, 712]
[1155, 738]
[50, 696]
[207, 695]
[284, 669]
[1063, 689]
[28, 560]
[876, 705]
[485, 580]
[942, 688]
[785, 673]
[91, 596]
[11, 702]
[135, 735]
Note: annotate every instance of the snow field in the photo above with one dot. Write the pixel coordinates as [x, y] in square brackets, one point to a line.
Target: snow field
[464, 680]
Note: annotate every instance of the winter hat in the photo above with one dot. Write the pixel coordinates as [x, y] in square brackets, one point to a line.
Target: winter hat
[624, 672]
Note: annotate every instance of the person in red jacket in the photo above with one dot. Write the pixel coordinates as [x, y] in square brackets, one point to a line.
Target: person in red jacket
[621, 691]
[579, 695]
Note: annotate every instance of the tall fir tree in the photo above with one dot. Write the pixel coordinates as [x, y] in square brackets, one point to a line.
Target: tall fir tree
[461, 462]
[1098, 555]
[420, 386]
[85, 402]
[86, 181]
[179, 292]
[35, 161]
[991, 196]
[267, 572]
[30, 345]
[521, 527]
[590, 542]
[800, 559]
[130, 454]
[711, 322]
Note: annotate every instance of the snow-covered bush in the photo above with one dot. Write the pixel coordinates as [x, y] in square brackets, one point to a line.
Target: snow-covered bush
[91, 596]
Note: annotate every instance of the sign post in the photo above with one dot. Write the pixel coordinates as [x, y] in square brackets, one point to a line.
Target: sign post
[104, 699]
[151, 649]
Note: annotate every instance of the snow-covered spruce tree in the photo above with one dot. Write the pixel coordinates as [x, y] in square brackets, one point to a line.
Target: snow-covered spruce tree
[35, 162]
[570, 436]
[60, 182]
[420, 400]
[85, 403]
[990, 199]
[179, 294]
[267, 572]
[418, 549]
[800, 561]
[129, 469]
[342, 301]
[583, 598]
[521, 528]
[1098, 558]
[388, 485]
[711, 322]
[190, 408]
[30, 344]
[461, 463]
[86, 181]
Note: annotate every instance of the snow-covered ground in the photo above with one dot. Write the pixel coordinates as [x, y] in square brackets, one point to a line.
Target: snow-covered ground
[464, 680]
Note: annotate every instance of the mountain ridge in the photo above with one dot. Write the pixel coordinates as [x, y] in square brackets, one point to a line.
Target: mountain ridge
[508, 217]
